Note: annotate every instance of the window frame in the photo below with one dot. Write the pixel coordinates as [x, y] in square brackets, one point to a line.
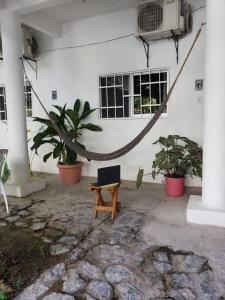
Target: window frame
[131, 93]
[25, 99]
[5, 108]
[114, 86]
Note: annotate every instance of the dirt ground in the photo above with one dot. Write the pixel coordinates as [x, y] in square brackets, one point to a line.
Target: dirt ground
[23, 256]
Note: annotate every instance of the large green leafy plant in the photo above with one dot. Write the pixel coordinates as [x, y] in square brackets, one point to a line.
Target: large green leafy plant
[178, 157]
[5, 173]
[71, 122]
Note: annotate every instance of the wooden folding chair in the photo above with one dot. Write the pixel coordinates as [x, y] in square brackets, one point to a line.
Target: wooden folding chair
[102, 205]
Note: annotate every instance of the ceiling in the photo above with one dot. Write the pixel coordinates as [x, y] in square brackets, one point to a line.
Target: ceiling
[47, 16]
[79, 9]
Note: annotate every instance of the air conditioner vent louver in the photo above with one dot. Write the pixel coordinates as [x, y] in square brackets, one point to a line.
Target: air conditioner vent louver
[150, 16]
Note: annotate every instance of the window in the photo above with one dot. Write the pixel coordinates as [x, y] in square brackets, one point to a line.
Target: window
[28, 99]
[132, 94]
[28, 102]
[3, 114]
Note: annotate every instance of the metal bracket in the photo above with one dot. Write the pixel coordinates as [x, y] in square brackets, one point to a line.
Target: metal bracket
[29, 60]
[176, 43]
[33, 67]
[146, 46]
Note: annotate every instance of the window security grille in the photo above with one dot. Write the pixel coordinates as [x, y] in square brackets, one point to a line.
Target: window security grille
[132, 94]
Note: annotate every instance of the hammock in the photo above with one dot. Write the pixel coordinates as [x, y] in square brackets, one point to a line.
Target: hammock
[125, 149]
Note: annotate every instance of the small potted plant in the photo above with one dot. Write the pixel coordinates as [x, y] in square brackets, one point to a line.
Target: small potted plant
[178, 157]
[71, 122]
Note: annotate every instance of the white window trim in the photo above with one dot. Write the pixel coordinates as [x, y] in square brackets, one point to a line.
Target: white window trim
[31, 93]
[28, 117]
[133, 73]
[3, 111]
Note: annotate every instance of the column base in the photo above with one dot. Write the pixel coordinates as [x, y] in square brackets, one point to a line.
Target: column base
[24, 189]
[197, 213]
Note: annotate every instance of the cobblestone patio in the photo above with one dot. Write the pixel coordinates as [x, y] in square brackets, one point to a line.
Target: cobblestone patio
[105, 260]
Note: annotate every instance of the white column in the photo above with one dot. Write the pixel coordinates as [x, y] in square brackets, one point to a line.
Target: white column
[211, 208]
[214, 107]
[14, 85]
[20, 184]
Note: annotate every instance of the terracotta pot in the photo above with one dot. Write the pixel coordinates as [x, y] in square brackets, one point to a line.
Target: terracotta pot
[70, 174]
[174, 186]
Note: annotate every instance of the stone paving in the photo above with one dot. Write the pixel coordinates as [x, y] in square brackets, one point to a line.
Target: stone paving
[104, 260]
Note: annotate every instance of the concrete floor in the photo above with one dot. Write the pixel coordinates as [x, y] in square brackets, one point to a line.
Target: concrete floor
[165, 223]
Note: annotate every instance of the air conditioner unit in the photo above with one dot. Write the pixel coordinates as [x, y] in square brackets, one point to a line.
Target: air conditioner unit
[29, 45]
[157, 19]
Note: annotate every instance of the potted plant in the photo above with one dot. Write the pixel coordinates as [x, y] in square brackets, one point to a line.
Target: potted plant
[71, 122]
[178, 157]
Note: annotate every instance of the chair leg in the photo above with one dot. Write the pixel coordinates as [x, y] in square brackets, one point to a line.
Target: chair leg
[95, 213]
[99, 201]
[114, 203]
[95, 208]
[113, 214]
[4, 197]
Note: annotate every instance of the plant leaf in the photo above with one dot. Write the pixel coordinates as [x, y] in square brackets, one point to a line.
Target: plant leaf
[5, 173]
[46, 122]
[91, 127]
[74, 117]
[58, 150]
[139, 179]
[76, 106]
[46, 156]
[87, 110]
[71, 156]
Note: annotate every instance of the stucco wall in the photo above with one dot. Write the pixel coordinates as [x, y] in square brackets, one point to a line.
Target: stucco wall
[74, 74]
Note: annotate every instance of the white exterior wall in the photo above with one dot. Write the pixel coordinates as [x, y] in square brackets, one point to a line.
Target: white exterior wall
[74, 74]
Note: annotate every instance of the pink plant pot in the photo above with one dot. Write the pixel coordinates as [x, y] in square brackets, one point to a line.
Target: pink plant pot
[70, 174]
[174, 186]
